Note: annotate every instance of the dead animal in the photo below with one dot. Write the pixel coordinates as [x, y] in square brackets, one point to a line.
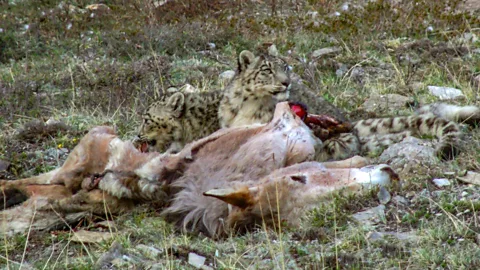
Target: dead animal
[229, 181]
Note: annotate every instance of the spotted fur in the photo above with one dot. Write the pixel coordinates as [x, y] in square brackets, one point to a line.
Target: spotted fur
[177, 119]
[250, 98]
[260, 83]
[373, 135]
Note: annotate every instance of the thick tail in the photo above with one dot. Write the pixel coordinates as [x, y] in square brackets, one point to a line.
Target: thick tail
[447, 132]
[469, 115]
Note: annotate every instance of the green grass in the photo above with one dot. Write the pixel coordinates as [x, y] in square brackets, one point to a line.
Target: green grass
[105, 69]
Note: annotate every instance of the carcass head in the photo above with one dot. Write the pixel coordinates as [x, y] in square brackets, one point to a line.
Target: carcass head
[285, 194]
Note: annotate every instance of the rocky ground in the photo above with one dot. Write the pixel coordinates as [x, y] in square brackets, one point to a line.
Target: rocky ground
[68, 66]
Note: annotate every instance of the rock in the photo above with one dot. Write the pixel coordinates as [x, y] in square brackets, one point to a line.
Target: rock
[374, 236]
[98, 7]
[211, 45]
[4, 165]
[412, 151]
[441, 182]
[149, 251]
[74, 9]
[226, 76]
[386, 103]
[172, 90]
[400, 200]
[125, 262]
[468, 38]
[52, 122]
[445, 93]
[417, 86]
[358, 74]
[403, 236]
[438, 193]
[157, 266]
[272, 50]
[54, 153]
[106, 224]
[476, 81]
[188, 88]
[312, 14]
[326, 51]
[375, 214]
[471, 178]
[115, 251]
[91, 237]
[341, 71]
[383, 195]
[196, 260]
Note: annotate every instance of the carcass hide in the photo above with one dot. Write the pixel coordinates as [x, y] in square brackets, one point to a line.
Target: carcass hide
[231, 180]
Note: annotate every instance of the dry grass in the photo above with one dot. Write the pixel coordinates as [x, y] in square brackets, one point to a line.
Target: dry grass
[89, 69]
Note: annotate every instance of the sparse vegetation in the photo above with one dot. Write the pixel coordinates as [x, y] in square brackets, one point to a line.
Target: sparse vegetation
[61, 60]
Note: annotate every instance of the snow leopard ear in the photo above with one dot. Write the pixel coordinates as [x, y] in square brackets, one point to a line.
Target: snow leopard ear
[245, 59]
[176, 103]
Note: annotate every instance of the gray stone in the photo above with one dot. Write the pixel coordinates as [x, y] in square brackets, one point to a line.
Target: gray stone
[149, 251]
[226, 76]
[4, 165]
[468, 38]
[370, 216]
[85, 236]
[417, 86]
[386, 103]
[476, 81]
[172, 90]
[374, 236]
[341, 71]
[157, 266]
[446, 93]
[471, 178]
[188, 88]
[272, 50]
[106, 224]
[196, 260]
[412, 151]
[441, 182]
[326, 51]
[403, 236]
[98, 7]
[211, 45]
[312, 14]
[114, 253]
[383, 195]
[400, 200]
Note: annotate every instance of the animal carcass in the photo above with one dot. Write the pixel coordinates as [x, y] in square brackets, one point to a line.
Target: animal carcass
[230, 180]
